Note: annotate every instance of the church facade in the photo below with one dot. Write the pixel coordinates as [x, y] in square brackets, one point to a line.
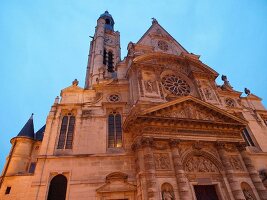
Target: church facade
[154, 125]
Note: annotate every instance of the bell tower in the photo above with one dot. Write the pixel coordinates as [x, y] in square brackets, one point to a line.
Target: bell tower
[104, 52]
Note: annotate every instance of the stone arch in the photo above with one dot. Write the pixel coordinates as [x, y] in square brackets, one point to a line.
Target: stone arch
[58, 188]
[206, 161]
[167, 192]
[247, 191]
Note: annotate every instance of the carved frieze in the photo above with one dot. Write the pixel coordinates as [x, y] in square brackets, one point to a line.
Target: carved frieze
[191, 112]
[162, 161]
[199, 164]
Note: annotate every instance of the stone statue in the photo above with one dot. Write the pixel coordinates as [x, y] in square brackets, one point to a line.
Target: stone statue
[247, 91]
[75, 82]
[167, 195]
[226, 82]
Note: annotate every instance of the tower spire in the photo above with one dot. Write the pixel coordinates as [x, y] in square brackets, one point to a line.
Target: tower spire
[28, 129]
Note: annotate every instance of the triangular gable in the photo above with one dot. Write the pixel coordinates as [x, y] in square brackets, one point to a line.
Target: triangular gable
[72, 88]
[191, 108]
[158, 32]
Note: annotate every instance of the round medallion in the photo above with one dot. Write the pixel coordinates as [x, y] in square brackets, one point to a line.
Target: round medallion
[176, 85]
[163, 45]
[114, 98]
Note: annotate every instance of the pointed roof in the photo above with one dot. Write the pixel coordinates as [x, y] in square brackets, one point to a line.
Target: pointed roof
[28, 129]
[40, 133]
[155, 24]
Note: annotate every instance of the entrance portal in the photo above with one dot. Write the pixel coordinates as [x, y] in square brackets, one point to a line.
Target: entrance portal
[206, 192]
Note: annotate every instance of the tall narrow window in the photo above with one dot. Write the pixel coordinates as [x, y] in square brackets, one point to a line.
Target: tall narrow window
[110, 62]
[247, 138]
[114, 130]
[66, 132]
[57, 188]
[105, 57]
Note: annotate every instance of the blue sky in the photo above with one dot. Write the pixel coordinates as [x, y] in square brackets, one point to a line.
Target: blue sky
[44, 46]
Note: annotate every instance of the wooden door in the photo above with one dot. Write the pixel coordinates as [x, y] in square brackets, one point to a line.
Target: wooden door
[206, 192]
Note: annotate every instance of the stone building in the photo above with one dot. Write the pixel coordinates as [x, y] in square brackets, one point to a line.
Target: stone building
[154, 125]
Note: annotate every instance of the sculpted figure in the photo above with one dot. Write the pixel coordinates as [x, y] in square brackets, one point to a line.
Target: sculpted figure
[167, 195]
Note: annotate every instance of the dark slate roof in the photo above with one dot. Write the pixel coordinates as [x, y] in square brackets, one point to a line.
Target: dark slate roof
[28, 129]
[40, 134]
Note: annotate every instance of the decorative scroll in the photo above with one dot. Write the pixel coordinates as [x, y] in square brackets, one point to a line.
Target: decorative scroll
[199, 164]
[162, 161]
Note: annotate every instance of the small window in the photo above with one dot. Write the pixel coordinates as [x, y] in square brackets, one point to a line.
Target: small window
[8, 189]
[114, 130]
[247, 138]
[105, 57]
[66, 132]
[32, 167]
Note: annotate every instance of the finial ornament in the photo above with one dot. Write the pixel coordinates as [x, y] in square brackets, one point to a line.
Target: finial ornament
[56, 100]
[247, 91]
[75, 82]
[154, 21]
[32, 116]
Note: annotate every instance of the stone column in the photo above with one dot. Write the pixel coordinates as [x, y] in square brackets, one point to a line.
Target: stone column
[254, 175]
[233, 182]
[149, 168]
[182, 181]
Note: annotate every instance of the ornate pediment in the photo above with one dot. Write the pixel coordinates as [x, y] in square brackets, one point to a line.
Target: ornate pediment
[191, 108]
[116, 182]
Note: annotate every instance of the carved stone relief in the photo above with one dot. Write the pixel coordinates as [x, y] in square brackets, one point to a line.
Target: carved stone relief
[236, 163]
[192, 112]
[199, 164]
[151, 86]
[209, 94]
[162, 161]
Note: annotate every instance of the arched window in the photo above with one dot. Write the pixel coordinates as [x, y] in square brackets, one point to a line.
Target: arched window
[66, 132]
[57, 188]
[114, 130]
[247, 191]
[110, 62]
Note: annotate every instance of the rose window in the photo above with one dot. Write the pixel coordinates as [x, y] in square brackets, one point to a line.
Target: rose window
[176, 85]
[229, 102]
[114, 98]
[163, 45]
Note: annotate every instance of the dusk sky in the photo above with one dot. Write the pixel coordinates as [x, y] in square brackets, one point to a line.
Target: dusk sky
[44, 46]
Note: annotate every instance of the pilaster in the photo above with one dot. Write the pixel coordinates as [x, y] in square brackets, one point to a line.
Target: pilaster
[182, 181]
[232, 179]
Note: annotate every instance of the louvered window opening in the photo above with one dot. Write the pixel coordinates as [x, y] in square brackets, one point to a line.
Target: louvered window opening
[247, 138]
[66, 133]
[114, 130]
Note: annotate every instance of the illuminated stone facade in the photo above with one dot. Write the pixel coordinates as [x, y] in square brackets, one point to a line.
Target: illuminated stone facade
[154, 125]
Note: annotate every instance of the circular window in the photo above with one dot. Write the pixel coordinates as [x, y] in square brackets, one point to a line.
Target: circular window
[114, 98]
[163, 45]
[230, 102]
[176, 85]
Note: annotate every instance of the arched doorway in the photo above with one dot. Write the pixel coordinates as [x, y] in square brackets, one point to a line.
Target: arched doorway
[57, 188]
